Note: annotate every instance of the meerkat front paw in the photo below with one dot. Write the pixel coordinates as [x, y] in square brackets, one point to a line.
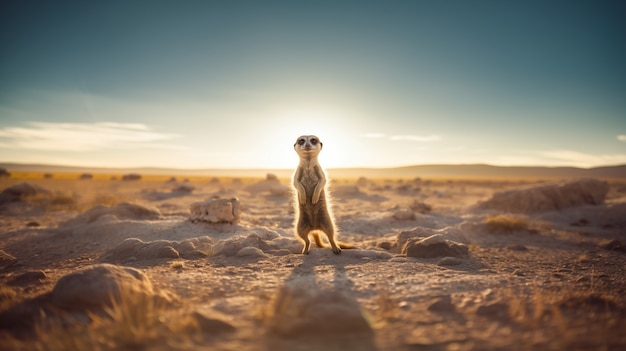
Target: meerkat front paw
[302, 199]
[336, 250]
[315, 199]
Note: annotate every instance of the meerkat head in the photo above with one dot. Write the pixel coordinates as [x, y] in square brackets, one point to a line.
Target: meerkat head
[308, 146]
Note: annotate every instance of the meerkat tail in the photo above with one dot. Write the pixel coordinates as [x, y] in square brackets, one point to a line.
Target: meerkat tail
[346, 246]
[318, 240]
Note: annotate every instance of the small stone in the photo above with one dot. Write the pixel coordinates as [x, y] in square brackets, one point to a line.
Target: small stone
[443, 304]
[212, 325]
[168, 252]
[385, 245]
[404, 214]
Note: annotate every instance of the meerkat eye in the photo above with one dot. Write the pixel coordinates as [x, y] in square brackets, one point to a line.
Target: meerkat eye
[301, 142]
[313, 141]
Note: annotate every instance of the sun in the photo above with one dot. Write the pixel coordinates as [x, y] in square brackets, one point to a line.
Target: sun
[325, 124]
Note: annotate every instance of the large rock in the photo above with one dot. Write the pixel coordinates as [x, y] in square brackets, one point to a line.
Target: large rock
[549, 197]
[216, 211]
[99, 286]
[434, 246]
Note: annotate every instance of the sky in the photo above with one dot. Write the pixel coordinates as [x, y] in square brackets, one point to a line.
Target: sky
[232, 84]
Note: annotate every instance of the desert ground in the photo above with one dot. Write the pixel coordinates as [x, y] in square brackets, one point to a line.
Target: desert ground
[123, 264]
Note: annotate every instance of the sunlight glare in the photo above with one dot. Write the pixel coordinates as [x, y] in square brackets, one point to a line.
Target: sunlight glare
[292, 123]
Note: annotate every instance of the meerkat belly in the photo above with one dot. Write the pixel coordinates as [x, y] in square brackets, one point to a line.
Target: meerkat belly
[312, 215]
[309, 182]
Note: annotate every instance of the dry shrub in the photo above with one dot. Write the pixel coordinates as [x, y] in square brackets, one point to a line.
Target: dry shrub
[62, 203]
[8, 297]
[505, 223]
[564, 310]
[134, 322]
[107, 200]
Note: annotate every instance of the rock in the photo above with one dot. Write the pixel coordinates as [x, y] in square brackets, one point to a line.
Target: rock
[450, 233]
[549, 197]
[211, 325]
[443, 304]
[434, 246]
[99, 285]
[271, 176]
[385, 245]
[216, 211]
[86, 176]
[404, 214]
[420, 207]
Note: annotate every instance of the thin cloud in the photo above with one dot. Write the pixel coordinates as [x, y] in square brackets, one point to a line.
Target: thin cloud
[81, 137]
[419, 138]
[580, 159]
[621, 137]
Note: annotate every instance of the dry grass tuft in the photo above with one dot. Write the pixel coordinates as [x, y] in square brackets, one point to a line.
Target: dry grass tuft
[8, 296]
[505, 223]
[132, 323]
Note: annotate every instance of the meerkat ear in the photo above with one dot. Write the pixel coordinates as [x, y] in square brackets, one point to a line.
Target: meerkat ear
[321, 145]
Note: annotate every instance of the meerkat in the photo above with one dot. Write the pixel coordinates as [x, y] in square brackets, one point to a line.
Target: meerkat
[313, 210]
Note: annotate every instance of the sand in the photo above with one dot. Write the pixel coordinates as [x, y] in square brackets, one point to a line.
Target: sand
[440, 265]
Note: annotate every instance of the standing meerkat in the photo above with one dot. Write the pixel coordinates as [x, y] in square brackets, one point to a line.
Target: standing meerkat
[313, 212]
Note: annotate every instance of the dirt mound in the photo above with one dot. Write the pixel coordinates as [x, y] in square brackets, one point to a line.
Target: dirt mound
[21, 191]
[99, 285]
[123, 210]
[257, 243]
[270, 184]
[302, 308]
[134, 249]
[549, 197]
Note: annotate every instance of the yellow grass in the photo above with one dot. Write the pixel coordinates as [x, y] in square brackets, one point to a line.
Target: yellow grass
[505, 223]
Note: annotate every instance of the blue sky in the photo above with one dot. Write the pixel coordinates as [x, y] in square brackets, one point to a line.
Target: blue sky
[223, 84]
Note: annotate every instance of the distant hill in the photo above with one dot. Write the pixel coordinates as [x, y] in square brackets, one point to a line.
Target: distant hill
[422, 171]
